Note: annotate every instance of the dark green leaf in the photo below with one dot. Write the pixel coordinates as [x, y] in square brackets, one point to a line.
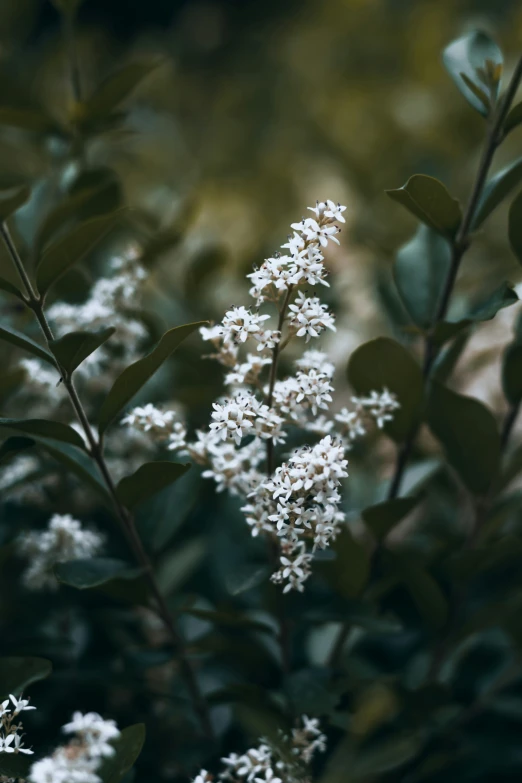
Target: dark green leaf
[9, 288]
[128, 747]
[384, 516]
[311, 693]
[469, 56]
[485, 310]
[13, 199]
[26, 119]
[512, 373]
[386, 756]
[177, 565]
[231, 620]
[511, 469]
[21, 341]
[349, 572]
[93, 572]
[147, 480]
[496, 190]
[46, 429]
[515, 226]
[15, 765]
[384, 363]
[16, 674]
[423, 588]
[469, 434]
[77, 462]
[71, 248]
[13, 446]
[428, 199]
[115, 89]
[134, 377]
[246, 577]
[71, 349]
[168, 511]
[513, 119]
[420, 272]
[448, 358]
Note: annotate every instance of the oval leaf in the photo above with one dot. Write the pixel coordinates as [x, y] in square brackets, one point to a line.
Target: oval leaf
[46, 429]
[385, 363]
[349, 572]
[93, 572]
[71, 248]
[71, 349]
[13, 199]
[428, 199]
[77, 462]
[420, 272]
[382, 517]
[127, 749]
[17, 673]
[134, 377]
[496, 190]
[15, 337]
[474, 62]
[469, 434]
[147, 480]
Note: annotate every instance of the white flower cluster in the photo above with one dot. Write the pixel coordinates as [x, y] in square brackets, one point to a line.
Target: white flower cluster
[265, 764]
[80, 760]
[11, 736]
[296, 504]
[163, 426]
[64, 539]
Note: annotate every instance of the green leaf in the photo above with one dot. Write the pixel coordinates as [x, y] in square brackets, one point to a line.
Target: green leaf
[16, 674]
[448, 358]
[46, 429]
[485, 310]
[469, 434]
[423, 588]
[385, 363]
[136, 375]
[428, 199]
[515, 226]
[512, 373]
[12, 199]
[71, 248]
[245, 578]
[77, 462]
[71, 349]
[385, 756]
[26, 119]
[349, 572]
[9, 288]
[15, 337]
[93, 572]
[496, 190]
[420, 272]
[128, 747]
[13, 446]
[468, 57]
[114, 90]
[382, 517]
[177, 565]
[147, 480]
[513, 119]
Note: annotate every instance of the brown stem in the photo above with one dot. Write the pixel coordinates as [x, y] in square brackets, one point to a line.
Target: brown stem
[126, 520]
[460, 244]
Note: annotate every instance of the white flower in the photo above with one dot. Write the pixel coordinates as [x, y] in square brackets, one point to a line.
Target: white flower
[316, 360]
[335, 211]
[94, 731]
[240, 324]
[13, 744]
[319, 232]
[310, 317]
[148, 418]
[379, 405]
[20, 704]
[233, 418]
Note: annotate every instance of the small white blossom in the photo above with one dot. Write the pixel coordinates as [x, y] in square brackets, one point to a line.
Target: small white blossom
[310, 317]
[233, 419]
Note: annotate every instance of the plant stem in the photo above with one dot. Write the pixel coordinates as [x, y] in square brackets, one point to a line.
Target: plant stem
[36, 303]
[460, 244]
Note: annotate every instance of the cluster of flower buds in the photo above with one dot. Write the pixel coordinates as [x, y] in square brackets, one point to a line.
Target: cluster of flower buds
[298, 503]
[11, 736]
[82, 757]
[266, 764]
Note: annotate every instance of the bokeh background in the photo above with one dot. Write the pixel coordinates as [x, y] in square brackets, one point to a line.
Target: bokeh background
[256, 110]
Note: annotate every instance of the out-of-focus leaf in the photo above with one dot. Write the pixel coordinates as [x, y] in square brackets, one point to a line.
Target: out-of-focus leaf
[230, 620]
[15, 337]
[503, 296]
[71, 248]
[261, 721]
[513, 119]
[511, 469]
[14, 765]
[423, 588]
[46, 429]
[469, 434]
[27, 119]
[310, 693]
[136, 375]
[376, 705]
[71, 349]
[127, 748]
[420, 271]
[384, 516]
[67, 6]
[384, 363]
[376, 758]
[147, 480]
[349, 572]
[9, 288]
[162, 517]
[447, 360]
[428, 199]
[418, 475]
[13, 446]
[496, 190]
[512, 373]
[246, 577]
[515, 226]
[470, 57]
[93, 572]
[12, 199]
[177, 566]
[77, 462]
[16, 674]
[113, 90]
